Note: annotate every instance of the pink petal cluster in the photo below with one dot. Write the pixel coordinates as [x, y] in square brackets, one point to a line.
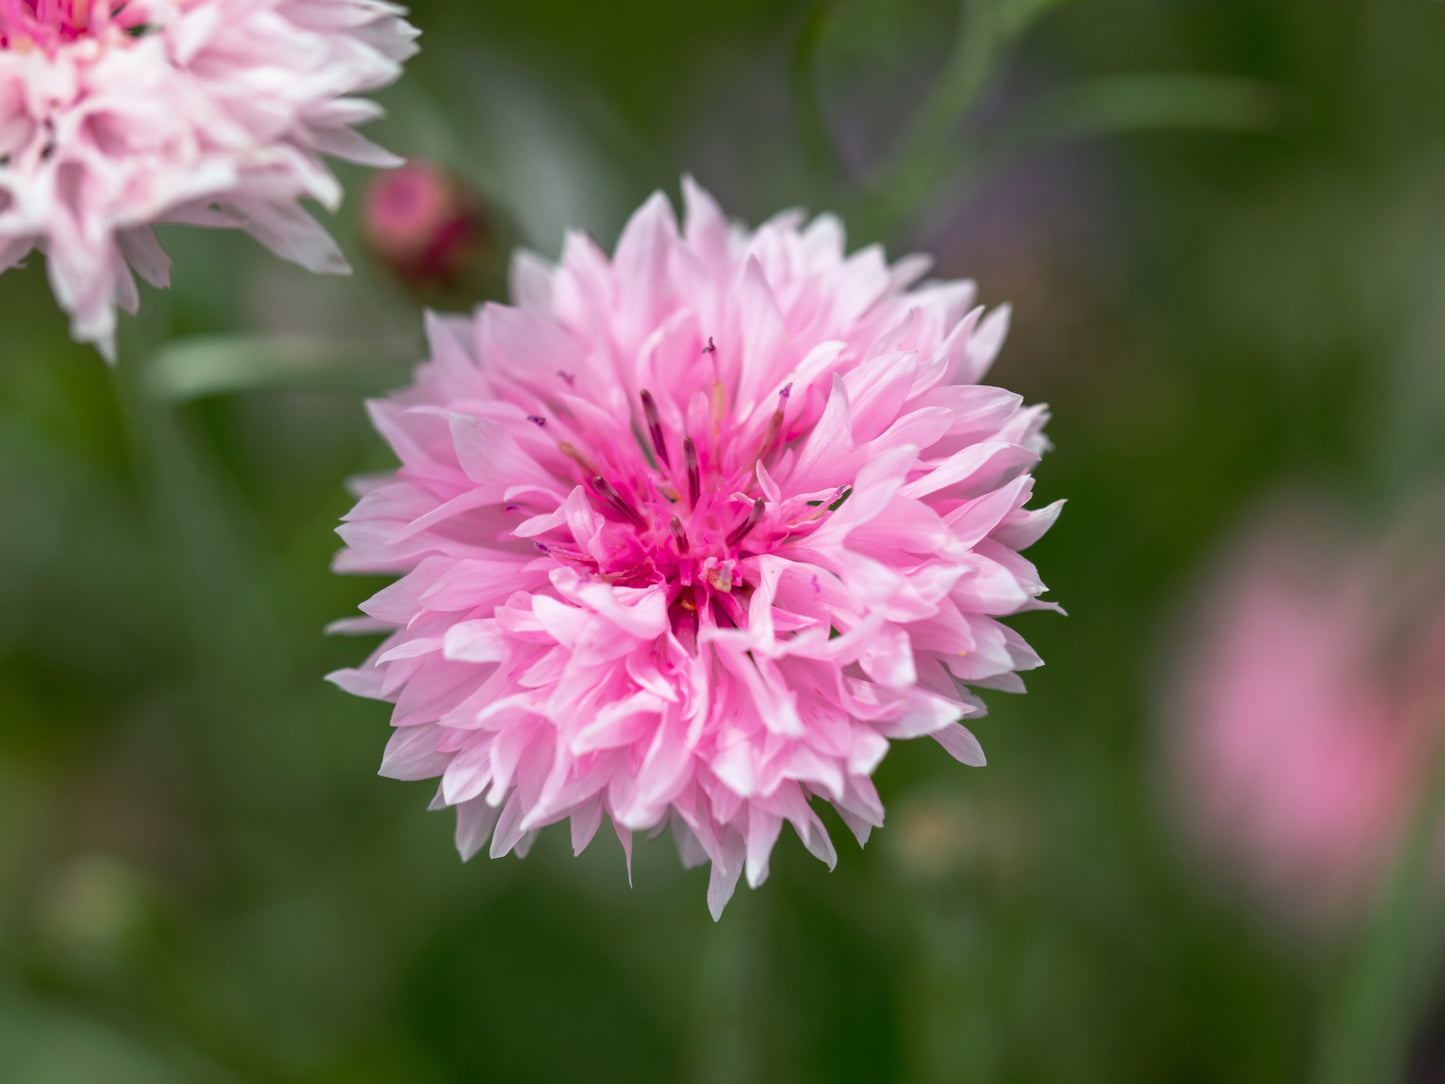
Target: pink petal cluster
[1308, 709]
[691, 534]
[115, 116]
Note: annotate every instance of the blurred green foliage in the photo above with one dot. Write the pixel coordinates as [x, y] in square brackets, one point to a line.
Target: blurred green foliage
[201, 878]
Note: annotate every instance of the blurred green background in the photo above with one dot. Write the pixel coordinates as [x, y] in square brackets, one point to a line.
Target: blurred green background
[1222, 227]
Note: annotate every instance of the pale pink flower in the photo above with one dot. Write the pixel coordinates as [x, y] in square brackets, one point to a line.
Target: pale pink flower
[115, 116]
[1307, 709]
[691, 534]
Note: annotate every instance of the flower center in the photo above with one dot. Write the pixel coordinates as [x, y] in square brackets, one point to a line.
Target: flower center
[49, 24]
[688, 510]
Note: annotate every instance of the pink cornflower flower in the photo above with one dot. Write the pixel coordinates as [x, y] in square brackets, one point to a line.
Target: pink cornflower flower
[691, 534]
[116, 115]
[1307, 709]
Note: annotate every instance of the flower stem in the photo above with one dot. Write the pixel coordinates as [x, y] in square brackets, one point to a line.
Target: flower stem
[1367, 1025]
[920, 164]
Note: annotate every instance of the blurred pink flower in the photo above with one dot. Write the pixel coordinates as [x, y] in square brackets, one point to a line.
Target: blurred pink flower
[691, 533]
[1308, 709]
[423, 224]
[115, 116]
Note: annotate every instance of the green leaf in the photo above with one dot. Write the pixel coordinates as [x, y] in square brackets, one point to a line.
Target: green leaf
[1131, 103]
[212, 365]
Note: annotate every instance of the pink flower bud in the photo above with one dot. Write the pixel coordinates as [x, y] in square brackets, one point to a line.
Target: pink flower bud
[426, 227]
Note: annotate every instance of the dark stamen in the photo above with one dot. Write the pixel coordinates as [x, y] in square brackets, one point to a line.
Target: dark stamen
[679, 536]
[694, 479]
[537, 419]
[654, 427]
[709, 348]
[619, 503]
[740, 532]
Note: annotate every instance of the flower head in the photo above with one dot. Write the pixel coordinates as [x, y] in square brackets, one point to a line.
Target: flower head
[1308, 708]
[427, 227]
[115, 116]
[690, 534]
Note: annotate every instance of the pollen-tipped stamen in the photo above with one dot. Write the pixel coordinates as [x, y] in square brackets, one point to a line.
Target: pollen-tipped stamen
[719, 407]
[619, 504]
[570, 450]
[679, 536]
[775, 423]
[755, 514]
[654, 428]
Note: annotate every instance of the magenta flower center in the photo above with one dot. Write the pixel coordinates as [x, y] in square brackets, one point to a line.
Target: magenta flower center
[49, 24]
[689, 506]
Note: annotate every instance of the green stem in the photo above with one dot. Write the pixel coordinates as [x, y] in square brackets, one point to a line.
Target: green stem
[812, 124]
[921, 163]
[1367, 1027]
[726, 982]
[964, 74]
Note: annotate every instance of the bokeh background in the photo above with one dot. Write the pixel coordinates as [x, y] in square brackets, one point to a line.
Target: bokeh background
[1221, 224]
